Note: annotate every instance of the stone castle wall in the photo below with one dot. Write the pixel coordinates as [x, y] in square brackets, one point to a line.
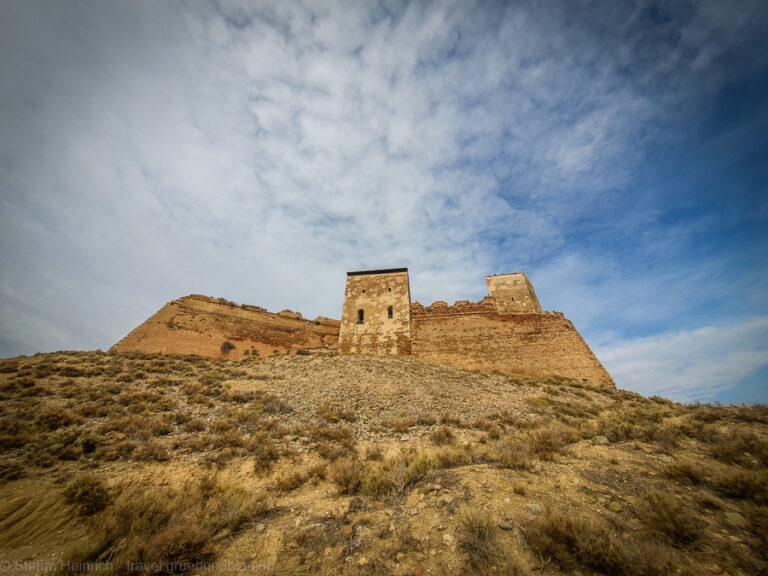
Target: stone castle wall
[505, 331]
[199, 325]
[376, 316]
[515, 344]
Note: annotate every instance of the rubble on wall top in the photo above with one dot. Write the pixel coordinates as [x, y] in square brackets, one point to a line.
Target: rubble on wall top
[460, 307]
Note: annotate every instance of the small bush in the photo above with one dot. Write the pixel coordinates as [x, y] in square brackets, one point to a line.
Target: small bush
[377, 481]
[287, 481]
[485, 554]
[331, 451]
[425, 420]
[743, 484]
[736, 448]
[269, 403]
[232, 507]
[549, 440]
[89, 493]
[665, 516]
[401, 424]
[575, 539]
[374, 452]
[227, 347]
[55, 418]
[264, 451]
[346, 474]
[514, 451]
[447, 418]
[333, 412]
[152, 450]
[477, 540]
[10, 471]
[9, 367]
[685, 471]
[177, 548]
[334, 433]
[194, 425]
[442, 436]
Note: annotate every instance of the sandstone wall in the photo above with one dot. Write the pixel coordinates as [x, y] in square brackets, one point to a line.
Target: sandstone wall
[513, 293]
[525, 344]
[375, 294]
[199, 325]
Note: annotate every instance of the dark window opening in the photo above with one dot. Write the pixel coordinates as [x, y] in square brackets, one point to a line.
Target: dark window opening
[363, 291]
[389, 312]
[389, 289]
[360, 317]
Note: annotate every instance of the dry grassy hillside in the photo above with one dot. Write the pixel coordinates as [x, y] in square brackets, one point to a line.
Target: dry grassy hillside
[124, 463]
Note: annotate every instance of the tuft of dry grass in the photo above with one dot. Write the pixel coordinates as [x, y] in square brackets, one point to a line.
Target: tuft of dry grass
[685, 471]
[743, 484]
[514, 451]
[89, 493]
[346, 473]
[55, 418]
[442, 436]
[575, 540]
[161, 529]
[667, 517]
[485, 555]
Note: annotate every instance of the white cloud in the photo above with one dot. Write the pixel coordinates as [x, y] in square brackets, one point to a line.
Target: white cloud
[694, 365]
[257, 151]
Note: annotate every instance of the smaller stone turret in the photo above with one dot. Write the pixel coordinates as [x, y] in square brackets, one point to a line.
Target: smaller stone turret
[513, 294]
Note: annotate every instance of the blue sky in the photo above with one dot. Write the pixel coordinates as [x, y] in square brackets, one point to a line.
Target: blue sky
[615, 152]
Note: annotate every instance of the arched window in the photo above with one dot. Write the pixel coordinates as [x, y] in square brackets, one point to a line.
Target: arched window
[360, 317]
[389, 312]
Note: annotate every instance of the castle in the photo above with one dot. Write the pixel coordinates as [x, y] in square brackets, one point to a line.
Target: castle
[506, 331]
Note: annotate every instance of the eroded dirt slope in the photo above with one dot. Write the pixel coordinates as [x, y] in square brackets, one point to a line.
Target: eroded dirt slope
[125, 463]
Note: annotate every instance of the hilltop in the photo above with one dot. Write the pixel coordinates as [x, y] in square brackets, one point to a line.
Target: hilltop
[125, 463]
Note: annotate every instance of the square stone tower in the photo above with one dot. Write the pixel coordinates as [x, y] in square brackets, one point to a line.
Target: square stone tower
[513, 294]
[376, 316]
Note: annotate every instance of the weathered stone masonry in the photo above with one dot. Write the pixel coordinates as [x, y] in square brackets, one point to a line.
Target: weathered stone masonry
[376, 316]
[506, 331]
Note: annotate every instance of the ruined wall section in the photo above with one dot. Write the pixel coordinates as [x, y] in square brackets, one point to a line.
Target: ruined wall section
[486, 306]
[373, 294]
[516, 344]
[199, 325]
[513, 294]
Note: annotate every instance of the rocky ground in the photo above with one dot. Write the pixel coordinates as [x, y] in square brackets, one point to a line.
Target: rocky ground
[125, 463]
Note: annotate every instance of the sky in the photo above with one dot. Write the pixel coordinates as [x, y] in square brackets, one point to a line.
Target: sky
[615, 152]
